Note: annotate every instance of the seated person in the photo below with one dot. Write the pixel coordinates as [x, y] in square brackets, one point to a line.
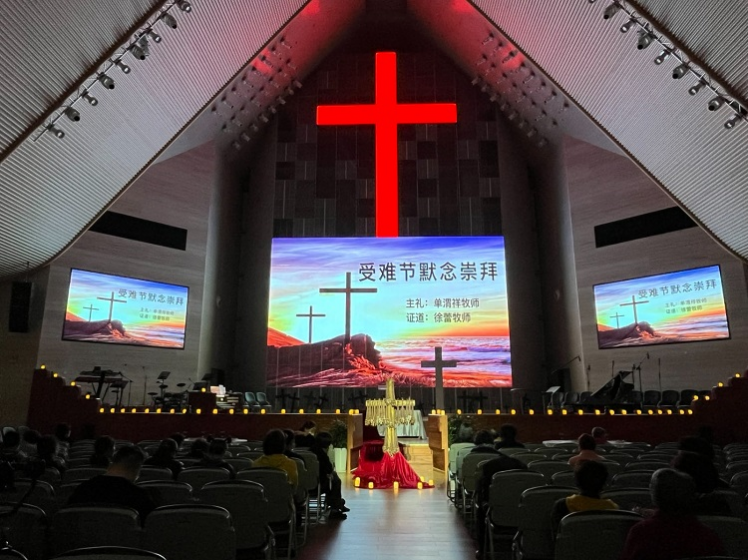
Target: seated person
[586, 445]
[309, 428]
[11, 449]
[28, 442]
[673, 531]
[117, 486]
[198, 449]
[178, 438]
[483, 443]
[215, 457]
[62, 435]
[165, 457]
[290, 443]
[600, 434]
[590, 477]
[508, 437]
[103, 451]
[706, 478]
[46, 450]
[273, 447]
[330, 483]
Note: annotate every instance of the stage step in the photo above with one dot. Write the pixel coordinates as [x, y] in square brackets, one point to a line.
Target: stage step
[417, 453]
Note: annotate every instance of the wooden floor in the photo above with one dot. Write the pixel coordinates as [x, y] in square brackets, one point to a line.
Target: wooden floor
[384, 525]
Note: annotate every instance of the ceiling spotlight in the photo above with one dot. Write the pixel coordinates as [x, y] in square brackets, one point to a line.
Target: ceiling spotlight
[628, 25]
[273, 110]
[591, 1]
[611, 10]
[139, 52]
[72, 114]
[694, 89]
[254, 127]
[488, 39]
[56, 131]
[122, 66]
[542, 142]
[475, 81]
[106, 81]
[90, 98]
[680, 71]
[732, 121]
[169, 20]
[264, 118]
[296, 84]
[281, 101]
[716, 103]
[645, 39]
[532, 132]
[512, 115]
[237, 145]
[153, 35]
[510, 56]
[289, 90]
[662, 56]
[184, 6]
[246, 137]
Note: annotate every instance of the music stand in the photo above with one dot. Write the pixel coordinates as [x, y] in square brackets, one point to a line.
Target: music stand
[161, 385]
[550, 392]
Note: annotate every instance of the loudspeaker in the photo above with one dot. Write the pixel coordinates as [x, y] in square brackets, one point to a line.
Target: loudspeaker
[561, 378]
[21, 294]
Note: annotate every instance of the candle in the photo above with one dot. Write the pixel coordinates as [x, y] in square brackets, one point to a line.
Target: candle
[283, 410]
[396, 485]
[420, 485]
[371, 485]
[431, 482]
[357, 482]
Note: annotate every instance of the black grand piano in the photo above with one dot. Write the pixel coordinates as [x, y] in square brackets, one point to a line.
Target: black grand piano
[615, 393]
[102, 380]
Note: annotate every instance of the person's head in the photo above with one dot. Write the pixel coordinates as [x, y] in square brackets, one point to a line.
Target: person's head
[46, 446]
[199, 447]
[323, 440]
[483, 437]
[697, 445]
[31, 437]
[672, 492]
[590, 477]
[178, 438]
[62, 431]
[290, 439]
[167, 449]
[600, 434]
[126, 462]
[586, 442]
[700, 468]
[218, 448]
[308, 427]
[11, 439]
[305, 440]
[274, 442]
[508, 432]
[104, 446]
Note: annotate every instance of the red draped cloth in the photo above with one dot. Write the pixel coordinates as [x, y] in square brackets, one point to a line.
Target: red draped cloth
[374, 465]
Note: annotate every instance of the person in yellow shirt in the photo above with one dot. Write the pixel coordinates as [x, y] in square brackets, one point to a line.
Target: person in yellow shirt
[273, 447]
[590, 477]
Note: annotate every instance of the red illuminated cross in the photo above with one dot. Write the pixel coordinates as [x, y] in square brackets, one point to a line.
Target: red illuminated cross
[385, 114]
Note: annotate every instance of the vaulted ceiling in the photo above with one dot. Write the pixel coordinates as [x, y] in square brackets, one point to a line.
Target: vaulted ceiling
[554, 67]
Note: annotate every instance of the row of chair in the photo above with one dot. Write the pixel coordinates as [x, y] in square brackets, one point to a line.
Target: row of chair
[648, 399]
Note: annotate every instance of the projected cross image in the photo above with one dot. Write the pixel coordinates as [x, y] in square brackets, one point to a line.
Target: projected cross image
[347, 312]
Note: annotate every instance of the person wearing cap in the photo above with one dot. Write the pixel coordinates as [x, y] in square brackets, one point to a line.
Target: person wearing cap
[673, 531]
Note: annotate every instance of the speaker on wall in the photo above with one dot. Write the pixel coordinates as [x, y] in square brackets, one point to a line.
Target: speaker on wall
[21, 294]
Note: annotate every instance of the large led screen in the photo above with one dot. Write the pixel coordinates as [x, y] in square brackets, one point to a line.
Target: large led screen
[122, 310]
[683, 306]
[349, 312]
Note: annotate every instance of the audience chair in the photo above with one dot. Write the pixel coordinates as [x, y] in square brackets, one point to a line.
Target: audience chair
[169, 492]
[571, 400]
[251, 455]
[669, 399]
[734, 467]
[262, 400]
[307, 483]
[534, 538]
[594, 534]
[469, 475]
[199, 476]
[739, 483]
[82, 473]
[622, 459]
[240, 463]
[686, 397]
[613, 467]
[548, 452]
[503, 500]
[549, 468]
[315, 499]
[646, 465]
[632, 479]
[734, 500]
[251, 401]
[249, 508]
[109, 553]
[564, 478]
[26, 529]
[629, 498]
[512, 451]
[64, 491]
[452, 470]
[564, 457]
[82, 461]
[189, 532]
[657, 456]
[155, 473]
[235, 449]
[528, 458]
[651, 399]
[80, 526]
[733, 533]
[461, 454]
[43, 495]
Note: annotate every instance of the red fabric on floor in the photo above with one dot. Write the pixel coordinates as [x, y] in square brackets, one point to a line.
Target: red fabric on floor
[382, 469]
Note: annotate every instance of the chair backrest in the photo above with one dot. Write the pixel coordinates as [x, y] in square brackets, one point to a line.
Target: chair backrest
[622, 459]
[453, 450]
[249, 396]
[732, 531]
[43, 495]
[187, 532]
[307, 480]
[739, 483]
[557, 398]
[584, 396]
[83, 460]
[81, 526]
[511, 451]
[549, 468]
[662, 455]
[527, 458]
[26, 529]
[733, 499]
[168, 492]
[155, 473]
[199, 476]
[262, 398]
[564, 478]
[686, 397]
[505, 492]
[469, 472]
[594, 534]
[613, 467]
[571, 398]
[461, 454]
[534, 519]
[635, 397]
[249, 509]
[563, 457]
[737, 466]
[669, 398]
[240, 463]
[646, 465]
[251, 455]
[277, 491]
[82, 473]
[109, 553]
[651, 398]
[548, 452]
[632, 479]
[629, 498]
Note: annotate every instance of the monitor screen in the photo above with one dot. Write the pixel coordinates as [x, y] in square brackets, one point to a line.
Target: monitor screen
[349, 312]
[122, 310]
[682, 306]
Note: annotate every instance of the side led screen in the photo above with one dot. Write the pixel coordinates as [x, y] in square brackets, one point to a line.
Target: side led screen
[683, 306]
[121, 310]
[348, 312]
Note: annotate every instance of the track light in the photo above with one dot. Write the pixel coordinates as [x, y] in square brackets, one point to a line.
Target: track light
[296, 84]
[680, 71]
[694, 89]
[281, 101]
[628, 25]
[153, 35]
[90, 98]
[591, 1]
[237, 145]
[106, 81]
[254, 127]
[169, 20]
[732, 121]
[184, 6]
[122, 66]
[716, 103]
[661, 57]
[645, 39]
[140, 51]
[475, 81]
[56, 131]
[72, 114]
[246, 137]
[611, 10]
[542, 142]
[510, 56]
[264, 118]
